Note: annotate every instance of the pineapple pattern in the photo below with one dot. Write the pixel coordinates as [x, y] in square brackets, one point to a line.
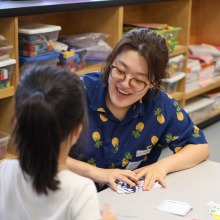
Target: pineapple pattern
[92, 161]
[102, 114]
[115, 143]
[112, 166]
[139, 128]
[126, 159]
[160, 116]
[97, 138]
[170, 138]
[154, 139]
[169, 96]
[177, 149]
[179, 114]
[196, 132]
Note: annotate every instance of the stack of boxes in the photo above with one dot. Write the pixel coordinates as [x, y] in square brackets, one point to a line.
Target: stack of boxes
[6, 64]
[36, 44]
[6, 71]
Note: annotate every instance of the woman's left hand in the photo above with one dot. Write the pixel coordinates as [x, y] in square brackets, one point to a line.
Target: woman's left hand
[151, 173]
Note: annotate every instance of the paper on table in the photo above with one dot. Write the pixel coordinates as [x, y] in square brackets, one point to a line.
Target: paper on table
[174, 207]
[123, 188]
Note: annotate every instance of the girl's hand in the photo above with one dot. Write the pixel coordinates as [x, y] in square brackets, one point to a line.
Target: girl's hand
[107, 214]
[110, 176]
[151, 173]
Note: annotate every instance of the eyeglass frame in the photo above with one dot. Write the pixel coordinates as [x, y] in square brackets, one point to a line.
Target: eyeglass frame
[125, 76]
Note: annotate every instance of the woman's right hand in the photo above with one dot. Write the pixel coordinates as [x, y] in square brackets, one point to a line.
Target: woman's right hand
[111, 176]
[107, 214]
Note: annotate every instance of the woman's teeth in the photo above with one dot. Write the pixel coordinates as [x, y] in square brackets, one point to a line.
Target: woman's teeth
[122, 92]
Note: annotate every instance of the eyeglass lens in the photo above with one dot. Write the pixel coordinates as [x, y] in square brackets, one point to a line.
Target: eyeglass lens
[119, 76]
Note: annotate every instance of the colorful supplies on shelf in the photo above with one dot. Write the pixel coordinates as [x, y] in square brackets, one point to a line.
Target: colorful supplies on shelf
[37, 39]
[169, 32]
[170, 84]
[27, 62]
[6, 69]
[72, 58]
[5, 50]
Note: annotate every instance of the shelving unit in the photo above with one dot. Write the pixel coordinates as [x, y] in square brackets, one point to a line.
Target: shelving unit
[108, 17]
[205, 29]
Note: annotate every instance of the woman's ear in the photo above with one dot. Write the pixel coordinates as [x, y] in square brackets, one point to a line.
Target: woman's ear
[76, 132]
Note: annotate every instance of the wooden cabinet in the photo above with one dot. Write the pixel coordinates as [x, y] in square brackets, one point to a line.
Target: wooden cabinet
[195, 17]
[205, 28]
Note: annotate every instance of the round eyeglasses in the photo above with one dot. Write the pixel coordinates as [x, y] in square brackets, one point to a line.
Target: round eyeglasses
[119, 76]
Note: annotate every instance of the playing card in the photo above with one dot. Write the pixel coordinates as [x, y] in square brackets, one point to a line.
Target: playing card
[174, 207]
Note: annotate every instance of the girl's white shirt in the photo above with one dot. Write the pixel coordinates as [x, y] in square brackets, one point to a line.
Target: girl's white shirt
[76, 199]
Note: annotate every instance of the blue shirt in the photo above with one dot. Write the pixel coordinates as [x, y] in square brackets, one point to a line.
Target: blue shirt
[139, 138]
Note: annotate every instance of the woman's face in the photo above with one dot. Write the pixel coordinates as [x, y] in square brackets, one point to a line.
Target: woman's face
[121, 95]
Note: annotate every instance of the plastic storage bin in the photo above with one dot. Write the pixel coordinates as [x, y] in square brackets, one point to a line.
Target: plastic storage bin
[6, 69]
[170, 84]
[5, 51]
[37, 39]
[27, 62]
[175, 64]
[199, 107]
[4, 138]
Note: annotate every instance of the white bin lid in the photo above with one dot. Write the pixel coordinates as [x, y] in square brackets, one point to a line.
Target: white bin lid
[175, 78]
[7, 62]
[198, 103]
[37, 28]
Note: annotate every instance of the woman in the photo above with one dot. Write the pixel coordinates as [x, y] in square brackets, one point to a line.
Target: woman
[131, 119]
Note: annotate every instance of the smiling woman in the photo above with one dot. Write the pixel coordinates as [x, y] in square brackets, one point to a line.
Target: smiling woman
[135, 119]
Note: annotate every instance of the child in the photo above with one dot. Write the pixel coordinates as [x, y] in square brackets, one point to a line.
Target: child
[49, 113]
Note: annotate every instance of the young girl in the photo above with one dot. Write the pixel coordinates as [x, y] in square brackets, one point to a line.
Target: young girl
[132, 119]
[49, 113]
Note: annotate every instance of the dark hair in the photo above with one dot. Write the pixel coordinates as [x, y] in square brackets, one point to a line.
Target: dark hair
[49, 104]
[151, 46]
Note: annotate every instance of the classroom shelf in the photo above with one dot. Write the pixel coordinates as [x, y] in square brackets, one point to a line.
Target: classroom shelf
[7, 92]
[215, 84]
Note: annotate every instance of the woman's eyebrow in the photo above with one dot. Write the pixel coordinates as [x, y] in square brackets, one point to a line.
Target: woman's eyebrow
[124, 64]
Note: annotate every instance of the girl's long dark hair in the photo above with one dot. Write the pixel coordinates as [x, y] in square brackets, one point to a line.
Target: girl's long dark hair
[49, 104]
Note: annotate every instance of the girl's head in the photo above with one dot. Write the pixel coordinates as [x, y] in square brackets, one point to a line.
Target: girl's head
[153, 50]
[49, 105]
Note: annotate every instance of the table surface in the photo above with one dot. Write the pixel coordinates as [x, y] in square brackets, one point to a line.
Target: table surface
[196, 186]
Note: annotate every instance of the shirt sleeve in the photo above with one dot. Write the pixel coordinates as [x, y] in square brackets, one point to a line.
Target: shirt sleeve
[181, 131]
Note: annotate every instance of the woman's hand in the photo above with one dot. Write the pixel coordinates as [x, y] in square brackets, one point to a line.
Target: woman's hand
[110, 176]
[151, 173]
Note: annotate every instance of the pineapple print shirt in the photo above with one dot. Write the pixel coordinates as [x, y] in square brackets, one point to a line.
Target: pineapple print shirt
[138, 139]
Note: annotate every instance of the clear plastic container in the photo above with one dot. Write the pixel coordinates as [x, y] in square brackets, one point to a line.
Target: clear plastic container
[4, 138]
[6, 69]
[27, 62]
[170, 34]
[170, 84]
[5, 51]
[37, 39]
